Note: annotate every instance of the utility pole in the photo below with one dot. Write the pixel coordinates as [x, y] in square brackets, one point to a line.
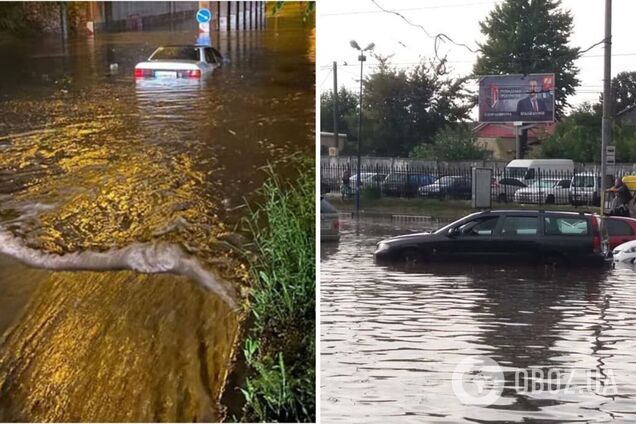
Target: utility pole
[361, 58]
[606, 128]
[335, 103]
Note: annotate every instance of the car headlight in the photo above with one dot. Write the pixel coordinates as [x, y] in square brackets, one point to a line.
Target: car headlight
[382, 246]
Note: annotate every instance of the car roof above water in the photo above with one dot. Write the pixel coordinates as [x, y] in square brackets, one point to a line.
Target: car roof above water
[531, 211]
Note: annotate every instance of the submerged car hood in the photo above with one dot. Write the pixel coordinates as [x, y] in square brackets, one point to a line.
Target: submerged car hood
[407, 237]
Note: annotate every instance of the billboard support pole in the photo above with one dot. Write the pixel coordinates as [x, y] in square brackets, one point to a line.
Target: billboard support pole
[606, 134]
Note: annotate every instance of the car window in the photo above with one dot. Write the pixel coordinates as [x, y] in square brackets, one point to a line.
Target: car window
[529, 174]
[209, 57]
[217, 55]
[176, 53]
[564, 184]
[543, 184]
[479, 227]
[616, 227]
[512, 182]
[583, 181]
[520, 226]
[565, 226]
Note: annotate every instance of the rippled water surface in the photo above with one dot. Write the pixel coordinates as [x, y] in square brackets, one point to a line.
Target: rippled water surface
[391, 337]
[102, 176]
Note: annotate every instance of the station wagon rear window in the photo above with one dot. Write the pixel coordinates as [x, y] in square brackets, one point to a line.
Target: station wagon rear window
[556, 226]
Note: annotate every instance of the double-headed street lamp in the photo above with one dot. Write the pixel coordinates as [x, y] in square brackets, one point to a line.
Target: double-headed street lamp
[361, 58]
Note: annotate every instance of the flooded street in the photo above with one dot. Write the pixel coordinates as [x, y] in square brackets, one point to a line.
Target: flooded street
[392, 337]
[106, 183]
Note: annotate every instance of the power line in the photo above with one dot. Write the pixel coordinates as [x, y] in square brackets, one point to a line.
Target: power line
[441, 37]
[446, 6]
[325, 80]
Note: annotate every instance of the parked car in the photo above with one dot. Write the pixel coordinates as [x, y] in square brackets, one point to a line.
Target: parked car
[620, 230]
[183, 61]
[404, 184]
[504, 189]
[585, 189]
[458, 186]
[502, 236]
[372, 179]
[625, 252]
[329, 221]
[547, 191]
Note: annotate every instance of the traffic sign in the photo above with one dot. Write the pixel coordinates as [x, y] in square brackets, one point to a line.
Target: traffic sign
[610, 155]
[204, 16]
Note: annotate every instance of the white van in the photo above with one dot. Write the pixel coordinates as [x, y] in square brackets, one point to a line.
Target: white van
[585, 189]
[529, 170]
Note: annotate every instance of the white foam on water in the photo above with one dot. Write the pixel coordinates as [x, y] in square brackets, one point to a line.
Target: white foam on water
[147, 258]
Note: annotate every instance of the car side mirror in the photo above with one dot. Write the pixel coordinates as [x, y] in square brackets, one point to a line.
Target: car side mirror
[453, 232]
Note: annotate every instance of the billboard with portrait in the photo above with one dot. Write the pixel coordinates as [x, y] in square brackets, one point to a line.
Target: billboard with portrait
[516, 98]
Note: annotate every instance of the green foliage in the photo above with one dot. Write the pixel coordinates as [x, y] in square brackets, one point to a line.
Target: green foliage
[530, 36]
[279, 347]
[578, 137]
[372, 192]
[402, 108]
[310, 8]
[347, 110]
[451, 143]
[624, 91]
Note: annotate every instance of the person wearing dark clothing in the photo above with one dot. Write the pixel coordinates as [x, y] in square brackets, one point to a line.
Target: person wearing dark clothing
[346, 177]
[531, 103]
[623, 197]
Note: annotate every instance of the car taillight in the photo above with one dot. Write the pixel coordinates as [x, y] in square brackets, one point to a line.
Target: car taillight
[195, 74]
[140, 73]
[596, 234]
[336, 224]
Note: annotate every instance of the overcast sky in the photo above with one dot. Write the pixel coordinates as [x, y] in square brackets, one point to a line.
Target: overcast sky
[361, 20]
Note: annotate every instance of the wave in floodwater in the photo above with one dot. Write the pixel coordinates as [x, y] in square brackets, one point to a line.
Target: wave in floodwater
[147, 258]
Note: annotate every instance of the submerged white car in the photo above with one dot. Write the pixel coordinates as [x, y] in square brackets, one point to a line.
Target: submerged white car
[196, 61]
[625, 252]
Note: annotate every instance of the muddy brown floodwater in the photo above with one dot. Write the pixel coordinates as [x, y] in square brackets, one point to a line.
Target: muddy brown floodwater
[125, 194]
[391, 337]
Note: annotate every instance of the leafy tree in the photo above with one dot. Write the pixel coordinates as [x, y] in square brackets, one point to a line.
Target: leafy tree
[386, 116]
[403, 108]
[530, 36]
[624, 90]
[578, 137]
[452, 143]
[347, 109]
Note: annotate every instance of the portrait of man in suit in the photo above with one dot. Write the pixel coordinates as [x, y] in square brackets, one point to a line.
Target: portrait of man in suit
[532, 103]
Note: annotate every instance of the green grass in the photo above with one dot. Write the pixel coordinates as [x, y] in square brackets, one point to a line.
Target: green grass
[450, 209]
[279, 346]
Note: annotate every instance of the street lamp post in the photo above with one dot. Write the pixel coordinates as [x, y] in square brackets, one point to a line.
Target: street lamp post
[361, 58]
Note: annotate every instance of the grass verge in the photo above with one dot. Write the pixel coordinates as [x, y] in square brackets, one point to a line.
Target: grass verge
[445, 209]
[279, 345]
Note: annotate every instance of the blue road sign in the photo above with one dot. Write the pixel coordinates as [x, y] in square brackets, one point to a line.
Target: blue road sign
[204, 16]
